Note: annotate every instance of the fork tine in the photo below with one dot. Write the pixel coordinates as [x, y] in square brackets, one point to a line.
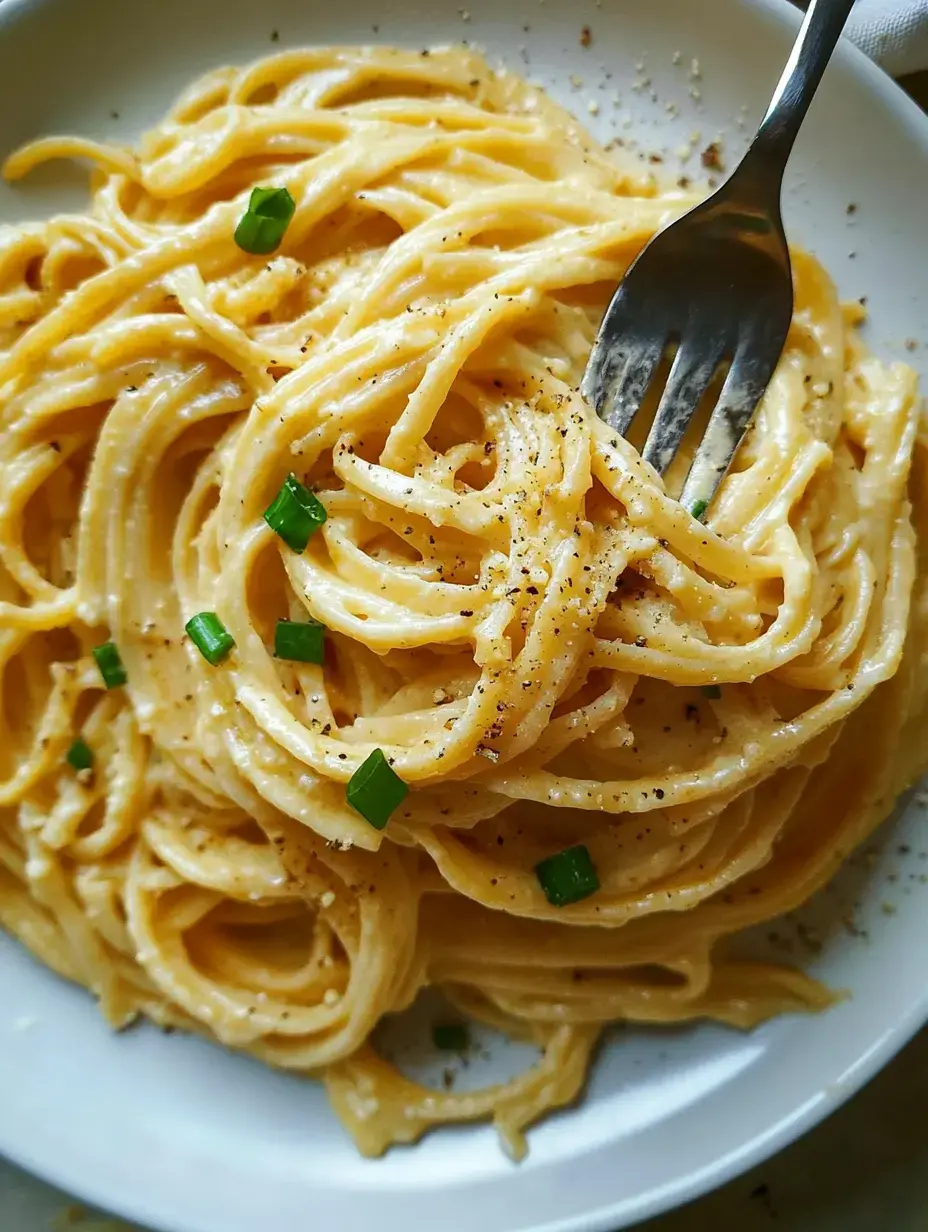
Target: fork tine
[614, 345]
[694, 366]
[623, 402]
[744, 387]
[623, 361]
[606, 363]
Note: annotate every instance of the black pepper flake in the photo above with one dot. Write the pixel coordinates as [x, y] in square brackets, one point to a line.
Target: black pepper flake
[711, 157]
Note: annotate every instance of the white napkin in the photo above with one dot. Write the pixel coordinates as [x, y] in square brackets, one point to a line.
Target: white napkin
[892, 32]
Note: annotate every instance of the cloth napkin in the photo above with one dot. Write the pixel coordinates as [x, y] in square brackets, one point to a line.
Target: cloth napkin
[892, 32]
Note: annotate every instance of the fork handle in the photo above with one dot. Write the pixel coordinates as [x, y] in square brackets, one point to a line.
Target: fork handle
[818, 37]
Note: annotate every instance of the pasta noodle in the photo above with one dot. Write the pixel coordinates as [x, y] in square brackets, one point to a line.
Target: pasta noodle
[549, 650]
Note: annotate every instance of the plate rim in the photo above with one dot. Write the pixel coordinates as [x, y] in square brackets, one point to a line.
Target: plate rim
[691, 1185]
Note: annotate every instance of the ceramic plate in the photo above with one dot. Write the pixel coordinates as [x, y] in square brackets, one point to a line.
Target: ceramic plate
[184, 1137]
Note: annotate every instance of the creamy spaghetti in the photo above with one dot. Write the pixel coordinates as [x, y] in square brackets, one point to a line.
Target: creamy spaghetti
[516, 616]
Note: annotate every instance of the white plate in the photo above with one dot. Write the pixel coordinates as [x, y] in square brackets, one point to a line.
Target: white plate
[187, 1138]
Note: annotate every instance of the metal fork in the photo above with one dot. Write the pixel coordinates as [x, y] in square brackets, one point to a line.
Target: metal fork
[718, 284]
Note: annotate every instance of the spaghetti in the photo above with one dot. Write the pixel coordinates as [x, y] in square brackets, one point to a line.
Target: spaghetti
[510, 609]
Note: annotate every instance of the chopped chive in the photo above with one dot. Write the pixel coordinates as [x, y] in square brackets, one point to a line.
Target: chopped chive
[262, 226]
[567, 877]
[712, 691]
[79, 756]
[375, 790]
[210, 636]
[299, 642]
[699, 508]
[451, 1037]
[110, 665]
[295, 513]
[272, 203]
[258, 236]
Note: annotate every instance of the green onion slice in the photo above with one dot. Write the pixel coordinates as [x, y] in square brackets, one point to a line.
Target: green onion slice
[451, 1037]
[210, 636]
[295, 513]
[375, 790]
[110, 665]
[79, 756]
[272, 203]
[262, 226]
[567, 877]
[699, 508]
[299, 642]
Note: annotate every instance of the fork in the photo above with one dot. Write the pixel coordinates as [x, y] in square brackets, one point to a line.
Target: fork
[718, 285]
